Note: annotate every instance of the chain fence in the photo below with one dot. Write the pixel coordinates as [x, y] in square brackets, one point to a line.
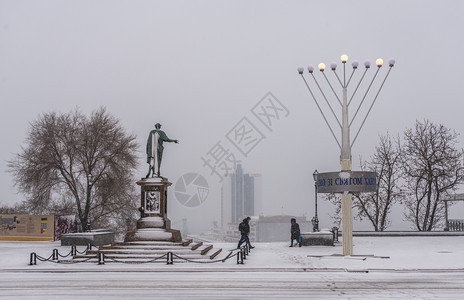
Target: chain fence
[240, 253]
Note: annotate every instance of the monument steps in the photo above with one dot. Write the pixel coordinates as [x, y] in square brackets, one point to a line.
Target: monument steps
[144, 251]
[177, 251]
[158, 245]
[154, 243]
[196, 246]
[136, 260]
[123, 257]
[206, 249]
[216, 253]
[164, 248]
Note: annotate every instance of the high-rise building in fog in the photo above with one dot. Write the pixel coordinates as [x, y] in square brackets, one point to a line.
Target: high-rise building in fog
[241, 196]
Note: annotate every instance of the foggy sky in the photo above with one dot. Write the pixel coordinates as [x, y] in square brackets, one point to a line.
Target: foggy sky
[199, 67]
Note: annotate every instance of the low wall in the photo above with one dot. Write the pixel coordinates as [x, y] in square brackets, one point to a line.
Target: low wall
[406, 233]
[317, 238]
[95, 238]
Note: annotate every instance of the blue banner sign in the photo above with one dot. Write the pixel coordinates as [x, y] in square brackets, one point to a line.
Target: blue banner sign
[347, 181]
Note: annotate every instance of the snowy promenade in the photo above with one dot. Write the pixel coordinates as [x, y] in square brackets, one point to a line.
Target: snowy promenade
[383, 267]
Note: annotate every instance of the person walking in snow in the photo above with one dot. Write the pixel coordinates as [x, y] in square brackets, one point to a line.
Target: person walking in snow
[244, 228]
[295, 232]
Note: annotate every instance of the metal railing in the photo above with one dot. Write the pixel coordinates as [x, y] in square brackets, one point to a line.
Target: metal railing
[455, 225]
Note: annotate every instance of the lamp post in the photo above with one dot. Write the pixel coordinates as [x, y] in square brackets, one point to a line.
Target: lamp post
[315, 220]
[90, 182]
[345, 126]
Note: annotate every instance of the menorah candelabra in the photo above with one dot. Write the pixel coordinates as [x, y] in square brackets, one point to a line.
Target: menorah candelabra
[345, 126]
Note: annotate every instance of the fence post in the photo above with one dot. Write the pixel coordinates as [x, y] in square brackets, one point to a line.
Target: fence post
[55, 254]
[89, 246]
[169, 258]
[243, 253]
[239, 257]
[33, 260]
[101, 258]
[73, 250]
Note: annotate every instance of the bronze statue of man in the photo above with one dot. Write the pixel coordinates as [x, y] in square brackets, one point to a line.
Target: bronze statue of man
[155, 149]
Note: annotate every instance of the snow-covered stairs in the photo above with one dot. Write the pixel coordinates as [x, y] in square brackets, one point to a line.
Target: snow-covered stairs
[153, 251]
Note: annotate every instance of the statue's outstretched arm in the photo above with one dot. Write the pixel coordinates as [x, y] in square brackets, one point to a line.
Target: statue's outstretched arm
[166, 139]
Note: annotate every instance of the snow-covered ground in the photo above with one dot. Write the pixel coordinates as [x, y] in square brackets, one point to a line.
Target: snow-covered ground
[382, 267]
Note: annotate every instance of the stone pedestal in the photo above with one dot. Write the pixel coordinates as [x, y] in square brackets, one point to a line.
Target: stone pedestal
[95, 238]
[154, 224]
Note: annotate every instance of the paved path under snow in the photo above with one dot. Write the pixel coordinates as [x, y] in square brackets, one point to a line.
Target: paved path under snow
[416, 267]
[230, 285]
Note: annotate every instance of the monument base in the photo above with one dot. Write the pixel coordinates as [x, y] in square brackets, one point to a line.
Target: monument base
[153, 229]
[95, 238]
[153, 234]
[153, 224]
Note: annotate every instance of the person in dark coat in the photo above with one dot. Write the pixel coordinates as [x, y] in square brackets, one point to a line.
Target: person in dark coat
[295, 232]
[244, 229]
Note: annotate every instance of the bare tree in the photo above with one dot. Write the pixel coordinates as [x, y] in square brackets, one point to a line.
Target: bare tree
[432, 168]
[18, 209]
[386, 163]
[62, 154]
[377, 206]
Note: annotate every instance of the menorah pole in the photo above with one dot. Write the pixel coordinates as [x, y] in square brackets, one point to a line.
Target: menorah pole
[345, 165]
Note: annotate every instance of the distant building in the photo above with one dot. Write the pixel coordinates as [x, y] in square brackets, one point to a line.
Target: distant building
[277, 228]
[241, 196]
